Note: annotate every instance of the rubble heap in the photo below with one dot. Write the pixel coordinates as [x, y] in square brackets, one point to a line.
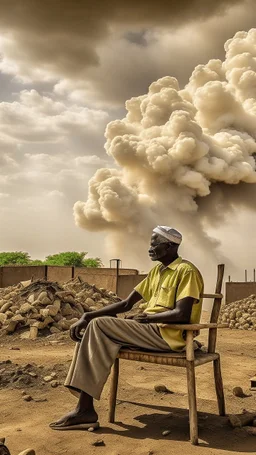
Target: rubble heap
[49, 307]
[240, 314]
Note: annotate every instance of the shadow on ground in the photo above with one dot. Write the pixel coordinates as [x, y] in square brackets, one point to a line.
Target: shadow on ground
[214, 430]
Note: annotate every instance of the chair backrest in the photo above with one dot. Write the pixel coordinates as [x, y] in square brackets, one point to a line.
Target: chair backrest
[217, 299]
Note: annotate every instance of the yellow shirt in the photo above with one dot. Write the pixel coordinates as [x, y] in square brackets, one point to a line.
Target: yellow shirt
[164, 286]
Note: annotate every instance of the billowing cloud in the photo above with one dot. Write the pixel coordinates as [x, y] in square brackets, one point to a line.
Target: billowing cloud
[175, 145]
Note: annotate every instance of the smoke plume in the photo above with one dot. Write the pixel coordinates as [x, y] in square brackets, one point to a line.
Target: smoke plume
[182, 157]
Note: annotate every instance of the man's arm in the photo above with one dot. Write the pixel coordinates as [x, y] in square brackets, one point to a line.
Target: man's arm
[180, 314]
[115, 308]
[110, 310]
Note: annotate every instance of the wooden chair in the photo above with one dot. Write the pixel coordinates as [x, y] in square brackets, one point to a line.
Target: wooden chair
[188, 359]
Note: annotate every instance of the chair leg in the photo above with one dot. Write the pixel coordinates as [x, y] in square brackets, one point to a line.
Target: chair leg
[219, 386]
[113, 391]
[191, 381]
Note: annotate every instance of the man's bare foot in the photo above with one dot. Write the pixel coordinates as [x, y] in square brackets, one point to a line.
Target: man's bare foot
[76, 418]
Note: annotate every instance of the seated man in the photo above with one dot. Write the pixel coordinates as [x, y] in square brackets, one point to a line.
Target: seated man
[172, 291]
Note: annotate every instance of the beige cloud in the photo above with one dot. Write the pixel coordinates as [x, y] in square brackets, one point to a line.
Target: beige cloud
[37, 118]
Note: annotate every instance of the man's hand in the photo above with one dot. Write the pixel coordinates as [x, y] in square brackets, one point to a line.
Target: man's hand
[75, 329]
[142, 318]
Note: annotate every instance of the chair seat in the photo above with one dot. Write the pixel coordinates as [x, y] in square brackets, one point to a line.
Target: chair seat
[177, 359]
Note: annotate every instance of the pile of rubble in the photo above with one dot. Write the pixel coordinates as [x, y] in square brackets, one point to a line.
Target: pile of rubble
[45, 307]
[240, 314]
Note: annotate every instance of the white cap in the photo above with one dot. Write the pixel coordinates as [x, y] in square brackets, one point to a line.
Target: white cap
[169, 233]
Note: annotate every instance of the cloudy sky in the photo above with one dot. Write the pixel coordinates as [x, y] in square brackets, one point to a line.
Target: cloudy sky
[66, 69]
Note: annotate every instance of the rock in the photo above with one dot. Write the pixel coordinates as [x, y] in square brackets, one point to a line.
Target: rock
[27, 398]
[58, 317]
[28, 452]
[31, 298]
[25, 308]
[47, 378]
[166, 432]
[254, 423]
[57, 304]
[89, 301]
[54, 330]
[33, 332]
[52, 310]
[98, 443]
[67, 309]
[19, 318]
[250, 430]
[32, 374]
[14, 308]
[238, 392]
[44, 312]
[6, 307]
[161, 388]
[2, 440]
[11, 326]
[13, 348]
[55, 384]
[53, 375]
[96, 296]
[25, 283]
[25, 335]
[3, 318]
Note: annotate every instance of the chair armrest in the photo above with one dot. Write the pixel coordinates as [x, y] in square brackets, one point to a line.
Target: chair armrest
[194, 326]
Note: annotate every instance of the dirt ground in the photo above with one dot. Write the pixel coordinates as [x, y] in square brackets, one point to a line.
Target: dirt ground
[142, 414]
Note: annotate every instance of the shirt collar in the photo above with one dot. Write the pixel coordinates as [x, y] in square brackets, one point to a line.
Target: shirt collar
[175, 264]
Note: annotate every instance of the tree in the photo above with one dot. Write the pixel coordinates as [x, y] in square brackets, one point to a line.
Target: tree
[14, 258]
[92, 262]
[72, 258]
[36, 262]
[68, 258]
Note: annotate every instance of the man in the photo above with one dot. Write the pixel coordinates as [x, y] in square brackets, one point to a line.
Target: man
[172, 291]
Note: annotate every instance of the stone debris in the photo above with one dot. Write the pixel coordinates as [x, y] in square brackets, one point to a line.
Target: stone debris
[27, 376]
[98, 443]
[42, 308]
[238, 392]
[27, 398]
[28, 452]
[166, 432]
[240, 314]
[160, 388]
[244, 421]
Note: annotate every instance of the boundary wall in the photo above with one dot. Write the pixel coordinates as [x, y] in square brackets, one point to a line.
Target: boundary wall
[107, 278]
[101, 277]
[239, 290]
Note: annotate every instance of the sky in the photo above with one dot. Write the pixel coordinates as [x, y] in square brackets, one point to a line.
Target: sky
[66, 70]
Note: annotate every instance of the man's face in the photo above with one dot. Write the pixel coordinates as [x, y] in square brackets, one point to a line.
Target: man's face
[158, 247]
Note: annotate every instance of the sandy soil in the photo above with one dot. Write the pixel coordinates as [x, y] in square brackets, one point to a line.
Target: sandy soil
[142, 414]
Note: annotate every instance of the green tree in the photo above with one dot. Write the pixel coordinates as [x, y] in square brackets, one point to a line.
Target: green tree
[92, 262]
[72, 258]
[14, 258]
[36, 262]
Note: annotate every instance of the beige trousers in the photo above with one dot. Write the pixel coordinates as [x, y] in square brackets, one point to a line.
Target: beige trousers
[101, 342]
